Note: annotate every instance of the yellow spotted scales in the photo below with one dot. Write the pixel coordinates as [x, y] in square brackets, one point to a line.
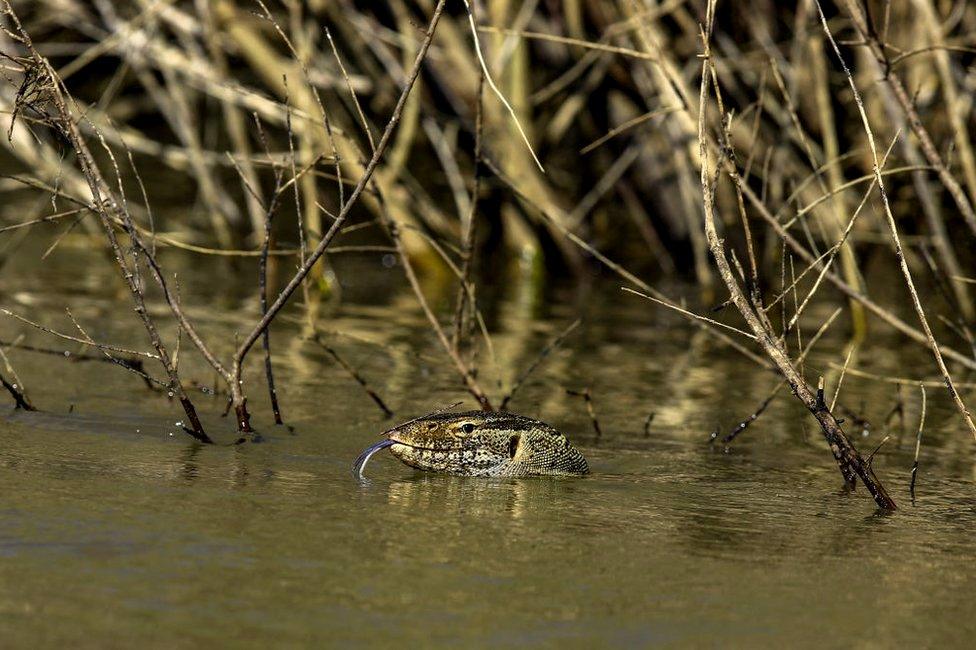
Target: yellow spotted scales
[479, 443]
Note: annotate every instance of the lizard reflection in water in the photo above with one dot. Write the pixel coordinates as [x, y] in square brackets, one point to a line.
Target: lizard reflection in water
[480, 443]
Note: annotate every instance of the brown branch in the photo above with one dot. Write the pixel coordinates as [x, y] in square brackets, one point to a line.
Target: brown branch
[747, 422]
[20, 399]
[108, 210]
[848, 459]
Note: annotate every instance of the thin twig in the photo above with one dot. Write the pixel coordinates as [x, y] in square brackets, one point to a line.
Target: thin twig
[918, 445]
[840, 380]
[901, 381]
[134, 366]
[587, 396]
[263, 300]
[744, 424]
[269, 213]
[689, 314]
[494, 88]
[373, 395]
[543, 354]
[870, 458]
[467, 376]
[629, 124]
[647, 423]
[747, 422]
[352, 92]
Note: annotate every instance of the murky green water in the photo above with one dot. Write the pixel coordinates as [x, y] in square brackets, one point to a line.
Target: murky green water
[117, 531]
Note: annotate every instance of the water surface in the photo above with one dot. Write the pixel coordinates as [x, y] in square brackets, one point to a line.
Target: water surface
[116, 530]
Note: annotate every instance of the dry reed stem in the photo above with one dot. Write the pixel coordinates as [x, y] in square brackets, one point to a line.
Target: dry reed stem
[303, 271]
[234, 119]
[468, 227]
[352, 93]
[877, 48]
[494, 88]
[892, 226]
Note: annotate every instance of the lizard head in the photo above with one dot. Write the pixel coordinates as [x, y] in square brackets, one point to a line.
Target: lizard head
[478, 443]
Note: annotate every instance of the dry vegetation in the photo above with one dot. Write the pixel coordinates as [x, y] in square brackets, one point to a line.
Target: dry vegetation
[772, 152]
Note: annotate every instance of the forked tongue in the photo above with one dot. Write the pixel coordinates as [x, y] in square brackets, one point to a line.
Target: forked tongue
[360, 464]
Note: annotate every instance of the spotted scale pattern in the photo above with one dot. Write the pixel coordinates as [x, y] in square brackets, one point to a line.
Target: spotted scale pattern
[478, 443]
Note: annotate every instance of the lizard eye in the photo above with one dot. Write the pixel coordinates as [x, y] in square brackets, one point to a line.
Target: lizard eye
[467, 427]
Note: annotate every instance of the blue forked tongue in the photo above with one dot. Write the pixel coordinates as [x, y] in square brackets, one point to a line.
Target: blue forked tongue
[357, 467]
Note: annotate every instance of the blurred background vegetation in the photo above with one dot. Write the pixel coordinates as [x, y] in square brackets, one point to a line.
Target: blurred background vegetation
[543, 140]
[606, 93]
